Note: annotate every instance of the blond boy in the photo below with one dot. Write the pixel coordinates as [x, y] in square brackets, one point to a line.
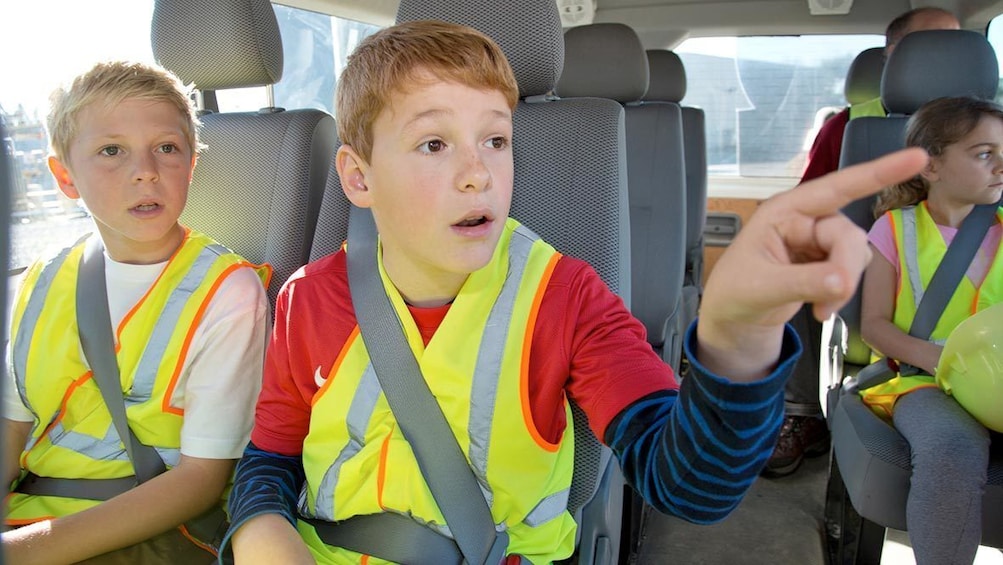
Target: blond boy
[425, 115]
[190, 323]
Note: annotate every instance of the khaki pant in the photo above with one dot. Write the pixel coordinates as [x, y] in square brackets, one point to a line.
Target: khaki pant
[169, 548]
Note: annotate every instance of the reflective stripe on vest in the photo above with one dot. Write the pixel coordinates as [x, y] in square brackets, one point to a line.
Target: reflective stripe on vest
[73, 435]
[921, 247]
[357, 462]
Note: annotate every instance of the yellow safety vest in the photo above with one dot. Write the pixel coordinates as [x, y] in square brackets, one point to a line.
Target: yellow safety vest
[357, 462]
[73, 436]
[921, 248]
[873, 108]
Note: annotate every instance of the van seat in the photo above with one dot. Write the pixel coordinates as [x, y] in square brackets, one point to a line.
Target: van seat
[863, 78]
[607, 60]
[265, 169]
[668, 84]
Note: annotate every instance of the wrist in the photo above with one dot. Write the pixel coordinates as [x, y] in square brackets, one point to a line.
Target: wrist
[738, 352]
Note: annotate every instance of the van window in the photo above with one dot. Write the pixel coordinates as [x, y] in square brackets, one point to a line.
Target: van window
[994, 33]
[315, 47]
[766, 97]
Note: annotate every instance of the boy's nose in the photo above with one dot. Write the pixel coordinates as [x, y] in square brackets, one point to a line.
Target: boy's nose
[475, 175]
[145, 167]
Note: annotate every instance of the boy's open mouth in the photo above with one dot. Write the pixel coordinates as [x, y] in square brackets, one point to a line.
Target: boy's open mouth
[470, 222]
[146, 207]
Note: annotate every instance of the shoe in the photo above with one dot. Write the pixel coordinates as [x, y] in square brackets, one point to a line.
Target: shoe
[800, 437]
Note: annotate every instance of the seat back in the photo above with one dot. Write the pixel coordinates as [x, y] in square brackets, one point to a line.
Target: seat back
[570, 188]
[258, 184]
[873, 459]
[863, 78]
[668, 84]
[607, 60]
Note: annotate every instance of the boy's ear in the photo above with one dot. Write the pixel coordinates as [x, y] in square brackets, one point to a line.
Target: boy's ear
[191, 170]
[352, 172]
[63, 178]
[931, 172]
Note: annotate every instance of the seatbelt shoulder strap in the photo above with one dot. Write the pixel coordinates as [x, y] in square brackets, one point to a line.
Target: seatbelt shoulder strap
[98, 344]
[443, 464]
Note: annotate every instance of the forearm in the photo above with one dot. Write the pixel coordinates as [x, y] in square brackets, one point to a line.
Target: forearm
[741, 355]
[886, 338]
[265, 490]
[696, 456]
[162, 503]
[267, 539]
[14, 436]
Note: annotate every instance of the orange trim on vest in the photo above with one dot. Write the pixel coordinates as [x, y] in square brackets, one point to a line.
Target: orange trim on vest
[165, 403]
[62, 411]
[139, 303]
[527, 413]
[381, 475]
[337, 365]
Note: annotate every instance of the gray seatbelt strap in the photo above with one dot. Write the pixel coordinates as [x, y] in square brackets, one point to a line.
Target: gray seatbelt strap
[94, 327]
[952, 269]
[86, 489]
[399, 539]
[938, 293]
[442, 463]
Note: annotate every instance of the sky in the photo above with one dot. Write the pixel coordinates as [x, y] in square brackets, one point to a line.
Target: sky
[45, 42]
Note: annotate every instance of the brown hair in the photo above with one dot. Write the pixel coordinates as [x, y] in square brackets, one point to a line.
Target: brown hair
[110, 83]
[937, 124]
[387, 61]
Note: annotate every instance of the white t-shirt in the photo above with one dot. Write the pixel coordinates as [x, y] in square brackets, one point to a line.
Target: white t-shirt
[221, 376]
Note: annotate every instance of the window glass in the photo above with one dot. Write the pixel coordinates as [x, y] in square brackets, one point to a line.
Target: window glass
[766, 97]
[995, 35]
[314, 47]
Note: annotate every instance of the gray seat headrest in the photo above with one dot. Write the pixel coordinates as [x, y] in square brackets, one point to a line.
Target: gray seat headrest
[218, 45]
[528, 32]
[935, 63]
[863, 79]
[604, 60]
[668, 77]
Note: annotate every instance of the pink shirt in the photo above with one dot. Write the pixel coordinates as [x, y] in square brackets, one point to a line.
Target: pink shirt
[883, 239]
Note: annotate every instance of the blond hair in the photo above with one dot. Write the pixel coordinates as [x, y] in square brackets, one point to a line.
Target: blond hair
[937, 124]
[388, 61]
[110, 83]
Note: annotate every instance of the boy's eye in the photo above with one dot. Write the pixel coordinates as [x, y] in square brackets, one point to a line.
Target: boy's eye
[110, 151]
[499, 142]
[432, 146]
[168, 148]
[984, 155]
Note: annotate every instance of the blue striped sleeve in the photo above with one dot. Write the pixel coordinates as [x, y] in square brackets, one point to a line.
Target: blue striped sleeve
[264, 483]
[695, 454]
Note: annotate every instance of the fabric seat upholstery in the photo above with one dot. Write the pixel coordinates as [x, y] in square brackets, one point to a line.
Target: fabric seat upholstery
[863, 78]
[607, 60]
[258, 184]
[668, 84]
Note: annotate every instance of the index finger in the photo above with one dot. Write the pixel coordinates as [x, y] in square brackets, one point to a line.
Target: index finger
[827, 195]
